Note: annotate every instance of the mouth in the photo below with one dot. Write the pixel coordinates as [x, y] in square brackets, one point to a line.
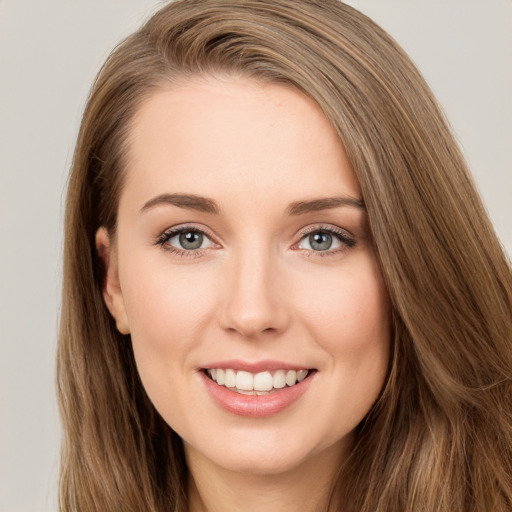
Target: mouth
[256, 390]
[256, 384]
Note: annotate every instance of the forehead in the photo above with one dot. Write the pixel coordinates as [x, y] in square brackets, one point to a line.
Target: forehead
[235, 138]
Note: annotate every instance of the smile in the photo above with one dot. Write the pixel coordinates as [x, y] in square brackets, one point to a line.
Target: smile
[261, 383]
[269, 389]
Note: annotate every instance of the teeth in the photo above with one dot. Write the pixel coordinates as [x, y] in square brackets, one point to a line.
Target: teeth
[301, 375]
[230, 378]
[263, 381]
[279, 379]
[244, 381]
[256, 384]
[243, 391]
[291, 377]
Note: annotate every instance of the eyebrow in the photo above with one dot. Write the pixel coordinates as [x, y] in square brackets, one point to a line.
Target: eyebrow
[188, 201]
[327, 203]
[204, 204]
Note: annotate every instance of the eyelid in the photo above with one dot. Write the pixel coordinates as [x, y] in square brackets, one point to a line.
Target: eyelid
[346, 239]
[330, 228]
[173, 231]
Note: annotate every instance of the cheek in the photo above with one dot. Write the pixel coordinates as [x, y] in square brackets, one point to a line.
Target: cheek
[166, 308]
[163, 300]
[350, 311]
[350, 318]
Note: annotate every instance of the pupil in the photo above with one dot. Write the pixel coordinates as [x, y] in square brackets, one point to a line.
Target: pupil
[191, 240]
[320, 241]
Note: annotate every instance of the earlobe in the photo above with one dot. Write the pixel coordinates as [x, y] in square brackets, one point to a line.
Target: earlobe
[111, 287]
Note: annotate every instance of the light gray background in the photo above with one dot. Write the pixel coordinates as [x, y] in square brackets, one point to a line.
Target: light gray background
[50, 51]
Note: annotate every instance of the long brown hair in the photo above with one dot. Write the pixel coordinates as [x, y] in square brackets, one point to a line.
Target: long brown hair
[440, 436]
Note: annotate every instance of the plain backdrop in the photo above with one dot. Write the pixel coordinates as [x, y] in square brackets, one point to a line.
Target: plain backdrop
[50, 51]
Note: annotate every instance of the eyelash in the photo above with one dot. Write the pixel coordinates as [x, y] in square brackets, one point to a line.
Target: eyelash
[171, 233]
[347, 241]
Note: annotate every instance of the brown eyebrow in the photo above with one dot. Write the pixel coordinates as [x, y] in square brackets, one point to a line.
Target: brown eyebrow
[203, 204]
[188, 201]
[315, 205]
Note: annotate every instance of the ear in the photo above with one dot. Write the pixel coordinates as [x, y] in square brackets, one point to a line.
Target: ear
[112, 293]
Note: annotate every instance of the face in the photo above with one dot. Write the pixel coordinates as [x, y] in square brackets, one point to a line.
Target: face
[244, 271]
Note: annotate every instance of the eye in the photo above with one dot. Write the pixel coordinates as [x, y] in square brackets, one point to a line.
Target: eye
[185, 239]
[325, 240]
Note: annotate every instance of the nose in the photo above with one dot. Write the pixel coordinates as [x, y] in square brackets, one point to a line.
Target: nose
[254, 302]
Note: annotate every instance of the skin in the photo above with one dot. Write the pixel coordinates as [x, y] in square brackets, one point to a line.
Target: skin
[257, 289]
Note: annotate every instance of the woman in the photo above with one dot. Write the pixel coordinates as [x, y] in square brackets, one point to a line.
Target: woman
[281, 289]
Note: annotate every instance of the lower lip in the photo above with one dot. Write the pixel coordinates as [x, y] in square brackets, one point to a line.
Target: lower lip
[254, 406]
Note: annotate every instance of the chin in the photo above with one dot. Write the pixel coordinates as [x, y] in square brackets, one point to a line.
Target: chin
[259, 464]
[264, 453]
[262, 464]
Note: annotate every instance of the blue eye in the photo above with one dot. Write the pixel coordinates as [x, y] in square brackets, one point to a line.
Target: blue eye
[191, 241]
[185, 240]
[325, 240]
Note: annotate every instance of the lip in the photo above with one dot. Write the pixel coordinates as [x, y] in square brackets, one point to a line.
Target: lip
[254, 367]
[251, 406]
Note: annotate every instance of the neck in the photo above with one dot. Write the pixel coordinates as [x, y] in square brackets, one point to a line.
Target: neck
[307, 488]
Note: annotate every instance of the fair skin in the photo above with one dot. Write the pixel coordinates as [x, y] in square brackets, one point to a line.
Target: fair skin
[253, 283]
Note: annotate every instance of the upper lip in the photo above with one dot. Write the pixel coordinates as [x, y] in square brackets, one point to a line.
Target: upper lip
[255, 366]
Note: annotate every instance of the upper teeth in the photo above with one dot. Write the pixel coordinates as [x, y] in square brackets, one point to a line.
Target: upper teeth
[259, 382]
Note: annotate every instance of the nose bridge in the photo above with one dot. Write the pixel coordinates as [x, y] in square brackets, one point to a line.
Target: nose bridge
[253, 302]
